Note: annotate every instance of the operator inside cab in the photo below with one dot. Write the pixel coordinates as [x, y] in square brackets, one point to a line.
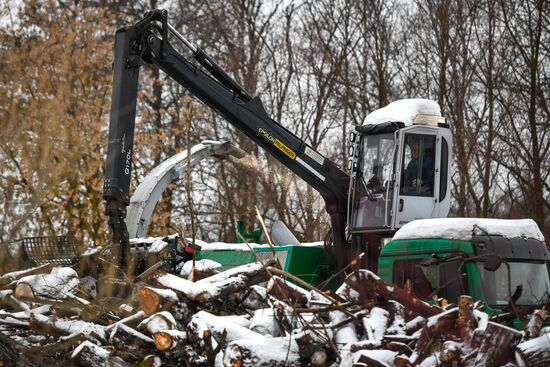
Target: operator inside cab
[419, 172]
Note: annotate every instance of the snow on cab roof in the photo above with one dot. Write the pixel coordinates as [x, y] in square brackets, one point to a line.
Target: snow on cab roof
[464, 228]
[404, 110]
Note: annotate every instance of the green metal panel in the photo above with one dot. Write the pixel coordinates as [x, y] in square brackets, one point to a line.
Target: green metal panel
[417, 249]
[309, 263]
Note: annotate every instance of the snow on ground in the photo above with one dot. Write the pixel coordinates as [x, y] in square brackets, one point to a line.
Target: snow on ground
[404, 111]
[464, 228]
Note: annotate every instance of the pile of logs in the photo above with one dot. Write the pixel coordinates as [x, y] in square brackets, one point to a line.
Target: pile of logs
[251, 315]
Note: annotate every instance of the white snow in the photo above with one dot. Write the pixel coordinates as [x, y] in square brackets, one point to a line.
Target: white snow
[92, 250]
[344, 335]
[433, 320]
[246, 247]
[376, 323]
[464, 228]
[241, 320]
[482, 321]
[263, 322]
[158, 322]
[200, 265]
[130, 331]
[158, 246]
[73, 326]
[414, 323]
[217, 325]
[404, 111]
[96, 350]
[58, 284]
[232, 246]
[15, 274]
[265, 350]
[151, 240]
[138, 315]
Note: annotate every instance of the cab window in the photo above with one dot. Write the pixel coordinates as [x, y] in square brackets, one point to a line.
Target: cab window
[425, 280]
[418, 165]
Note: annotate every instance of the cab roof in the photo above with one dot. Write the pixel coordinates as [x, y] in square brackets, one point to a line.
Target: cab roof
[466, 228]
[404, 110]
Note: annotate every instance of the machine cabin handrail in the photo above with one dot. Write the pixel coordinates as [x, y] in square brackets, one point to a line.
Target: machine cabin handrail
[141, 42]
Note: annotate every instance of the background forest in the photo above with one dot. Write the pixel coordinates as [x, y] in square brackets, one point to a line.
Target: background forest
[320, 66]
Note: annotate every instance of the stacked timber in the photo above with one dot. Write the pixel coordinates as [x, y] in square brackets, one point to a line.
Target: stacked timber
[251, 315]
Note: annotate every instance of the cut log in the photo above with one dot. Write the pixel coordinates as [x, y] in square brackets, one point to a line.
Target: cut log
[24, 315]
[89, 354]
[345, 334]
[168, 339]
[400, 348]
[365, 345]
[287, 291]
[398, 325]
[465, 321]
[415, 324]
[60, 326]
[253, 298]
[433, 329]
[216, 325]
[158, 322]
[132, 319]
[69, 308]
[24, 290]
[319, 358]
[535, 352]
[450, 352]
[63, 345]
[150, 361]
[14, 323]
[264, 323]
[376, 358]
[124, 334]
[8, 278]
[368, 285]
[217, 286]
[58, 284]
[7, 300]
[532, 330]
[262, 352]
[497, 345]
[375, 324]
[203, 269]
[152, 300]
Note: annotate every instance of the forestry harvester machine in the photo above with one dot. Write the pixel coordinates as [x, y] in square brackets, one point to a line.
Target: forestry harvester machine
[398, 172]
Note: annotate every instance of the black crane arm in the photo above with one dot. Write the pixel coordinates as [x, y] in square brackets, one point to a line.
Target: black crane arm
[147, 41]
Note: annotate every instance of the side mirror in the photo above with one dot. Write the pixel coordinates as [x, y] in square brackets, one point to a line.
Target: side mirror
[492, 262]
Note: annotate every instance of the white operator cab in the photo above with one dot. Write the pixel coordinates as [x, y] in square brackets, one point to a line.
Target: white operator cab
[399, 162]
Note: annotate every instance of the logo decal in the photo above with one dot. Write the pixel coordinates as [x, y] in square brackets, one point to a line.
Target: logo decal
[278, 144]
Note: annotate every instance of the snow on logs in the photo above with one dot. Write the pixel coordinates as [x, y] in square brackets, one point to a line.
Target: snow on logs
[245, 316]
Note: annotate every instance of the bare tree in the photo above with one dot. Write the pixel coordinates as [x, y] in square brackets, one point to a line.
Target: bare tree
[524, 100]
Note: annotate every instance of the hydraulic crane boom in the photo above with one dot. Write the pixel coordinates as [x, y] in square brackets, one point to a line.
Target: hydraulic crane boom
[147, 41]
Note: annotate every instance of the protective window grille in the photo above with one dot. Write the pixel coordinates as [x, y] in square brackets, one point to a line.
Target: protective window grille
[58, 250]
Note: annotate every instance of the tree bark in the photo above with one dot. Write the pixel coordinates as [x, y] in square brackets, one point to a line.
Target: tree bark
[90, 355]
[535, 352]
[284, 290]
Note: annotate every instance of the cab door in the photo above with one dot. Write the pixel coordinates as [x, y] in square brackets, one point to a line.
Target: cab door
[418, 178]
